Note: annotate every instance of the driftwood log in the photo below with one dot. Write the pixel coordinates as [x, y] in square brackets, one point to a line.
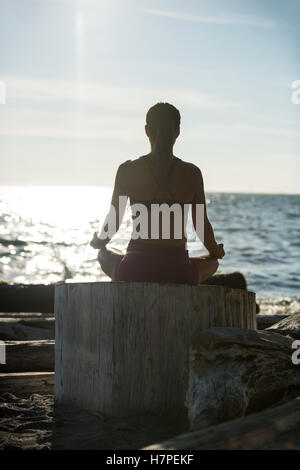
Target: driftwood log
[40, 297]
[5, 316]
[27, 383]
[234, 372]
[274, 428]
[289, 326]
[16, 329]
[29, 356]
[26, 298]
[235, 280]
[265, 321]
[122, 348]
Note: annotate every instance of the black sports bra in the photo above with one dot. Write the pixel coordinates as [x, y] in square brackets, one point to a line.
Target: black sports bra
[159, 183]
[170, 200]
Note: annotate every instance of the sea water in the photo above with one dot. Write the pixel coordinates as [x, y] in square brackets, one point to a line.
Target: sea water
[45, 233]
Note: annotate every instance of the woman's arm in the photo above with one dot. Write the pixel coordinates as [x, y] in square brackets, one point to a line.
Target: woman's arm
[116, 213]
[209, 240]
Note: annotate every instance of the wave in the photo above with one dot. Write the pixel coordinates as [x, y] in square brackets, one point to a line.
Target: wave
[17, 242]
[14, 242]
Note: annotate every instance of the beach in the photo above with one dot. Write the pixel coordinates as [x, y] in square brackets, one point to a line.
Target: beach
[31, 421]
[39, 246]
[186, 317]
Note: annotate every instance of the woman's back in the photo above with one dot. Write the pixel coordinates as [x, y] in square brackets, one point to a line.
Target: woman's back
[169, 183]
[160, 187]
[144, 175]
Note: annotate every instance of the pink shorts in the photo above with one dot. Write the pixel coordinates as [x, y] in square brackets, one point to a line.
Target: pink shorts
[147, 262]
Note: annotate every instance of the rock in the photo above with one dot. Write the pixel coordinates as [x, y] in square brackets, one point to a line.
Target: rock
[235, 372]
[289, 326]
[236, 280]
[265, 321]
[275, 428]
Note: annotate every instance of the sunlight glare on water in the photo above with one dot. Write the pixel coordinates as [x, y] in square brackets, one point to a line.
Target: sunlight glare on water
[45, 234]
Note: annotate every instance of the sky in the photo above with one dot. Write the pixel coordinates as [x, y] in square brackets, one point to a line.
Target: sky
[79, 77]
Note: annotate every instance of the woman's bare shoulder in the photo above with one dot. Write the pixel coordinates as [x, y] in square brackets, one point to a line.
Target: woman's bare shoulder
[129, 168]
[189, 167]
[133, 162]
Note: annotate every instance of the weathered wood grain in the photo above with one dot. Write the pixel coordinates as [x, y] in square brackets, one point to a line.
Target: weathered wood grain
[29, 356]
[265, 321]
[25, 315]
[122, 348]
[27, 382]
[234, 372]
[40, 297]
[290, 326]
[26, 329]
[274, 428]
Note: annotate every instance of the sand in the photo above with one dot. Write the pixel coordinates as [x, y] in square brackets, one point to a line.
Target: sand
[32, 422]
[25, 421]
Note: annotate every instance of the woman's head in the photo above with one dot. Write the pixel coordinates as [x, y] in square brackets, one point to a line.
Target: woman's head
[162, 125]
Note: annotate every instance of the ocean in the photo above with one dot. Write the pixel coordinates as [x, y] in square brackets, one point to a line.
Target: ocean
[45, 233]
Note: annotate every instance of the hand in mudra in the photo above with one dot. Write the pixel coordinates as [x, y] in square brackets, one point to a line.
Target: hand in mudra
[218, 252]
[97, 243]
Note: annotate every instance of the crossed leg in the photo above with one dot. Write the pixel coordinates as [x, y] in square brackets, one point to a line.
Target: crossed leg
[206, 266]
[109, 260]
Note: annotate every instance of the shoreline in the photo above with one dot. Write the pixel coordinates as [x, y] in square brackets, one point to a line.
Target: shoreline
[37, 297]
[30, 420]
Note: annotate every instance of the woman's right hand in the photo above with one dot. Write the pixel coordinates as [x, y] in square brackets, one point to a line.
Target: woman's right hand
[218, 252]
[97, 243]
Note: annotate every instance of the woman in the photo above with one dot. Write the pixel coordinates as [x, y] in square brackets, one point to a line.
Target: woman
[159, 178]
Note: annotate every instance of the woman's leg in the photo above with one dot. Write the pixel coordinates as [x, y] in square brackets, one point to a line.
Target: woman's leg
[206, 266]
[109, 260]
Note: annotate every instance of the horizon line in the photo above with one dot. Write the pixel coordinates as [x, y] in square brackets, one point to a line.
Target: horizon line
[223, 191]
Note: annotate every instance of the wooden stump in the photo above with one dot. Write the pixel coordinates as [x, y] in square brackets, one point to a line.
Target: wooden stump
[123, 348]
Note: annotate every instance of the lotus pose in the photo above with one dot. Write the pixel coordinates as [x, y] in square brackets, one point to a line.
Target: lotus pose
[164, 182]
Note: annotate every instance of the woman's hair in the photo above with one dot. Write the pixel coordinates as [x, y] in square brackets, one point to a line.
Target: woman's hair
[161, 120]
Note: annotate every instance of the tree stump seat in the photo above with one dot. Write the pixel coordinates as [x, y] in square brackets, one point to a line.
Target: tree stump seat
[122, 348]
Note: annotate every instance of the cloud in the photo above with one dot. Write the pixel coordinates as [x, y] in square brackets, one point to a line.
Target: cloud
[23, 121]
[118, 98]
[245, 20]
[69, 110]
[238, 20]
[74, 110]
